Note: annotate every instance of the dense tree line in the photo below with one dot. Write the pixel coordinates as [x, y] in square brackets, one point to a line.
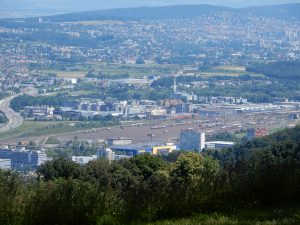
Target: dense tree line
[72, 148]
[262, 172]
[22, 101]
[279, 70]
[226, 136]
[266, 170]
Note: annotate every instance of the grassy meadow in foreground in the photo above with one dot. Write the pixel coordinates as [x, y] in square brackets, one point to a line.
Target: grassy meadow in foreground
[258, 217]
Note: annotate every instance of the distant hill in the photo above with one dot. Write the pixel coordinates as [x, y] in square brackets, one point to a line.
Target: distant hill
[286, 12]
[31, 8]
[141, 13]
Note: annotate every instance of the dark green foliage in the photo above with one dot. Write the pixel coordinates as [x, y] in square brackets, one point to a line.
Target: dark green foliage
[12, 198]
[144, 166]
[21, 101]
[251, 175]
[59, 168]
[65, 202]
[279, 70]
[73, 148]
[265, 170]
[80, 148]
[224, 137]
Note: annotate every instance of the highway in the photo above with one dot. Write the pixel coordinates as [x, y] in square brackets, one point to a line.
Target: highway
[14, 119]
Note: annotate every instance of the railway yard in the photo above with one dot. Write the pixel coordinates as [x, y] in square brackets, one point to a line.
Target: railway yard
[169, 130]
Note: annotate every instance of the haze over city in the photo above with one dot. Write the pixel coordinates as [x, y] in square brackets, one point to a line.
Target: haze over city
[27, 8]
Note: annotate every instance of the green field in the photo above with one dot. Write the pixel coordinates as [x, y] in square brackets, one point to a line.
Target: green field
[37, 128]
[227, 71]
[61, 74]
[25, 128]
[140, 70]
[133, 70]
[41, 128]
[231, 68]
[52, 141]
[136, 71]
[252, 217]
[78, 93]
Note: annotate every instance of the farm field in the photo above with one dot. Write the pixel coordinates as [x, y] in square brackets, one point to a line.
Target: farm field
[61, 74]
[226, 71]
[231, 68]
[113, 70]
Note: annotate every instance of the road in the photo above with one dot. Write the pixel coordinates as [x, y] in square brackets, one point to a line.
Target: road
[14, 119]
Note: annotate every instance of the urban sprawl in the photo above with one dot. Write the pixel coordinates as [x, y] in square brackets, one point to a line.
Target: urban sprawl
[115, 89]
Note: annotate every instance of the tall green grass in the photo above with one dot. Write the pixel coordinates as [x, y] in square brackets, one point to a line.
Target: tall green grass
[257, 217]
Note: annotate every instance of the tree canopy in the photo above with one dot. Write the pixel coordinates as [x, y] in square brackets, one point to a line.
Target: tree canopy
[258, 173]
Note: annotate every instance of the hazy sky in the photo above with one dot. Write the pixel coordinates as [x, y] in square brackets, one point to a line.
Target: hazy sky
[17, 8]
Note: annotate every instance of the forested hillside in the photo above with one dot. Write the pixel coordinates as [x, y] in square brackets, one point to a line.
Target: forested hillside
[17, 8]
[285, 12]
[262, 173]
